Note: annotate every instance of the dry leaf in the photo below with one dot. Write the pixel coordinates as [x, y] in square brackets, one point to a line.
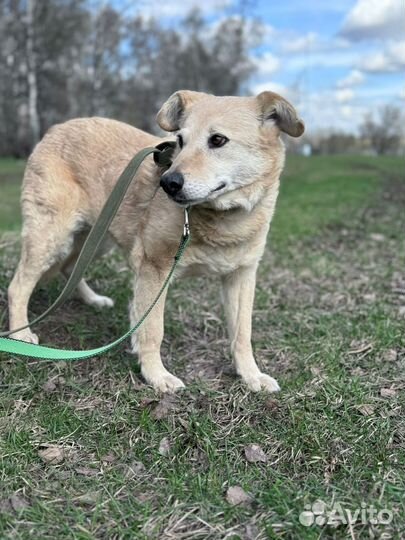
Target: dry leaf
[236, 495]
[390, 356]
[145, 402]
[5, 506]
[358, 371]
[388, 392]
[377, 237]
[90, 498]
[85, 471]
[134, 469]
[271, 404]
[252, 531]
[52, 455]
[365, 409]
[49, 386]
[370, 297]
[164, 447]
[166, 405]
[18, 502]
[254, 453]
[108, 458]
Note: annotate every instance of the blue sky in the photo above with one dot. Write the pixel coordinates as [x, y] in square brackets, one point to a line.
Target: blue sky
[335, 60]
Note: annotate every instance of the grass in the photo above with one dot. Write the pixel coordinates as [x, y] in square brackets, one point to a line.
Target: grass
[326, 325]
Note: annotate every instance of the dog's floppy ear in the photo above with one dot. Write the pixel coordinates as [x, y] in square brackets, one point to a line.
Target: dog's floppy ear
[173, 109]
[276, 108]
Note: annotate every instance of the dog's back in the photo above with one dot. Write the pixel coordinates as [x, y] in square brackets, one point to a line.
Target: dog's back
[79, 149]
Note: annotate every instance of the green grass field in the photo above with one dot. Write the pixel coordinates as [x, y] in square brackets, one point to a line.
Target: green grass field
[328, 325]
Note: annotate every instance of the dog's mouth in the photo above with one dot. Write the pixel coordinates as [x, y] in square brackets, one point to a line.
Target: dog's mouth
[221, 186]
[183, 201]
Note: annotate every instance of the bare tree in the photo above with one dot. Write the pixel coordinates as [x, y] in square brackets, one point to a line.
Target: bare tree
[65, 58]
[198, 56]
[13, 102]
[384, 131]
[31, 68]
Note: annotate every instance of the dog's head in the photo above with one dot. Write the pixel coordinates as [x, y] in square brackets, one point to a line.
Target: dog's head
[224, 143]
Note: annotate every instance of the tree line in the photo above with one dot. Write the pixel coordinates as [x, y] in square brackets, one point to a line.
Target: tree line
[380, 132]
[61, 59]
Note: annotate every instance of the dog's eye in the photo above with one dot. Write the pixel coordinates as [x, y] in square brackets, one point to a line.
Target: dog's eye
[215, 141]
[180, 141]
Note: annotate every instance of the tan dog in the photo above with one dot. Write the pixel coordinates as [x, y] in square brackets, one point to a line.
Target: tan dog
[226, 167]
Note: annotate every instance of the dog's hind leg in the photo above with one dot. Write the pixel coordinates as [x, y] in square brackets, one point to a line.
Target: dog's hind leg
[50, 202]
[43, 252]
[44, 246]
[84, 291]
[19, 292]
[90, 297]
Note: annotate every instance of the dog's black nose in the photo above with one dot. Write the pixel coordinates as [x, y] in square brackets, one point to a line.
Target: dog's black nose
[172, 183]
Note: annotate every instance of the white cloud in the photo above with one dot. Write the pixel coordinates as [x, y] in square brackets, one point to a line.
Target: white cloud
[374, 19]
[323, 112]
[335, 110]
[290, 42]
[397, 51]
[375, 63]
[292, 7]
[380, 93]
[327, 59]
[178, 8]
[272, 87]
[300, 44]
[267, 64]
[344, 95]
[346, 111]
[269, 32]
[354, 78]
[391, 60]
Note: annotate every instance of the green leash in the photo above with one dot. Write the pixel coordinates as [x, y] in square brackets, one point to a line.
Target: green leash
[162, 156]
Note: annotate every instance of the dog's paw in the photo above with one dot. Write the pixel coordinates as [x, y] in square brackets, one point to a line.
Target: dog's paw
[26, 335]
[101, 301]
[262, 381]
[164, 382]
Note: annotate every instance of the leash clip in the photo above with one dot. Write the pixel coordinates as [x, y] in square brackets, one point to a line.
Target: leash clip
[186, 227]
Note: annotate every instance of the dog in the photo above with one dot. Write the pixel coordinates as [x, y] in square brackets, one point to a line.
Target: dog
[225, 168]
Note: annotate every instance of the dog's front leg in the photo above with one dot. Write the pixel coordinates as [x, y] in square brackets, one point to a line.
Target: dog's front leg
[239, 291]
[148, 339]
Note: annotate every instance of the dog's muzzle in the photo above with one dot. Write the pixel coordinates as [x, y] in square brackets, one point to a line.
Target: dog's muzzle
[172, 183]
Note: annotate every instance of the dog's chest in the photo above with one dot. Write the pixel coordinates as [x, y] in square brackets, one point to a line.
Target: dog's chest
[222, 246]
[208, 260]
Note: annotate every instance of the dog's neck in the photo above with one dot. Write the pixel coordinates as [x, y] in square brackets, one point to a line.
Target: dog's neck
[224, 224]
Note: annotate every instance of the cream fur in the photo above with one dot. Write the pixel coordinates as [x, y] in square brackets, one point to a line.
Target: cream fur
[71, 172]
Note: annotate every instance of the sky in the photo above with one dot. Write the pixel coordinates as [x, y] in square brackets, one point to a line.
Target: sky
[335, 60]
